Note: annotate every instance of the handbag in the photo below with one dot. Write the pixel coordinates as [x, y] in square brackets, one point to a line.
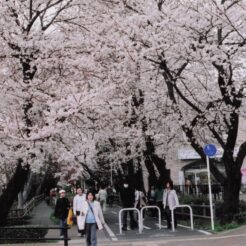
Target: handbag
[80, 222]
[70, 217]
[92, 212]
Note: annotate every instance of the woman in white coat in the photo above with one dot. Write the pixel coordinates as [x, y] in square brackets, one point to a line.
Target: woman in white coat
[170, 199]
[91, 218]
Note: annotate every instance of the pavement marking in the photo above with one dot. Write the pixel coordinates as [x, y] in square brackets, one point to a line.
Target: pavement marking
[188, 227]
[113, 212]
[110, 233]
[201, 231]
[161, 235]
[146, 227]
[162, 226]
[205, 232]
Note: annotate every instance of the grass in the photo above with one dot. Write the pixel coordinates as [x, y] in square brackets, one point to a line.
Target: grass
[202, 224]
[226, 227]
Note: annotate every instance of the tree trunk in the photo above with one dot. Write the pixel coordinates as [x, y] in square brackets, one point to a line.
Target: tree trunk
[151, 171]
[20, 200]
[161, 166]
[15, 185]
[230, 206]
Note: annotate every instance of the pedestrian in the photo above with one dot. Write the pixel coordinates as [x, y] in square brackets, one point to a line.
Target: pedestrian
[188, 187]
[159, 199]
[91, 218]
[127, 195]
[110, 196]
[102, 197]
[77, 207]
[170, 199]
[140, 199]
[61, 211]
[151, 200]
[52, 197]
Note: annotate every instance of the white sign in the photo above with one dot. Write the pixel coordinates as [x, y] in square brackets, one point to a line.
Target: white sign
[190, 154]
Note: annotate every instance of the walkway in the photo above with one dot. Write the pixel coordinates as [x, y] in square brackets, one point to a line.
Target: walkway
[40, 215]
[151, 235]
[232, 238]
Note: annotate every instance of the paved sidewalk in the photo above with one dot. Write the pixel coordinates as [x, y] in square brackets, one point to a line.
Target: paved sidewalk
[153, 237]
[40, 215]
[235, 237]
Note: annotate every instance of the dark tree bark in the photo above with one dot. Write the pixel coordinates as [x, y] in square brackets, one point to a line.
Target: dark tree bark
[231, 196]
[232, 178]
[15, 185]
[151, 159]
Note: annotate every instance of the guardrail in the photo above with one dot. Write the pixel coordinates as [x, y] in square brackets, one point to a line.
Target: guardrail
[9, 239]
[205, 213]
[191, 215]
[129, 209]
[141, 215]
[200, 190]
[21, 212]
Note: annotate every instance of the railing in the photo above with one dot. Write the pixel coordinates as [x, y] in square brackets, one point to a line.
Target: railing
[200, 190]
[141, 217]
[205, 211]
[129, 209]
[4, 239]
[191, 215]
[22, 212]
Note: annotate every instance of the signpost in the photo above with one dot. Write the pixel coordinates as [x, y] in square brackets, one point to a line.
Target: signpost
[210, 150]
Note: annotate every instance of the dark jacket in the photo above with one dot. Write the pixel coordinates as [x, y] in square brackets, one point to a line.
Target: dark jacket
[61, 208]
[127, 196]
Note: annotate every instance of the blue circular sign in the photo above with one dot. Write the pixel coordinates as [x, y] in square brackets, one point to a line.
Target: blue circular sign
[210, 150]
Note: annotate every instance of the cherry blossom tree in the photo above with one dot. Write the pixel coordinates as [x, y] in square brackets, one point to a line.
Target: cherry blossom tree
[199, 50]
[31, 57]
[128, 74]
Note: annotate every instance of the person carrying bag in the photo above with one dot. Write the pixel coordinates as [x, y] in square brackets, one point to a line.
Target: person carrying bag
[91, 219]
[70, 217]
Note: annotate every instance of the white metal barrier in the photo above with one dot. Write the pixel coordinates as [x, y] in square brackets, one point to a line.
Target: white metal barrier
[146, 207]
[129, 209]
[191, 215]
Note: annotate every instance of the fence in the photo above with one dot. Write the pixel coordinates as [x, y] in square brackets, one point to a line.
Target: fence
[22, 212]
[204, 211]
[199, 190]
[14, 238]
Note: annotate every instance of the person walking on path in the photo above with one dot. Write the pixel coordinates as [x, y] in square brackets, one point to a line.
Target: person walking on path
[110, 196]
[77, 207]
[140, 199]
[91, 218]
[61, 211]
[170, 199]
[159, 199]
[151, 199]
[127, 195]
[102, 197]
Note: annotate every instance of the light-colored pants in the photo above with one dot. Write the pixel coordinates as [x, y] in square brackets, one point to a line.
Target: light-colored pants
[91, 234]
[103, 204]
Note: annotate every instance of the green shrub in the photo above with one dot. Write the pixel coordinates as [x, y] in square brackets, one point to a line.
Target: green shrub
[219, 228]
[18, 233]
